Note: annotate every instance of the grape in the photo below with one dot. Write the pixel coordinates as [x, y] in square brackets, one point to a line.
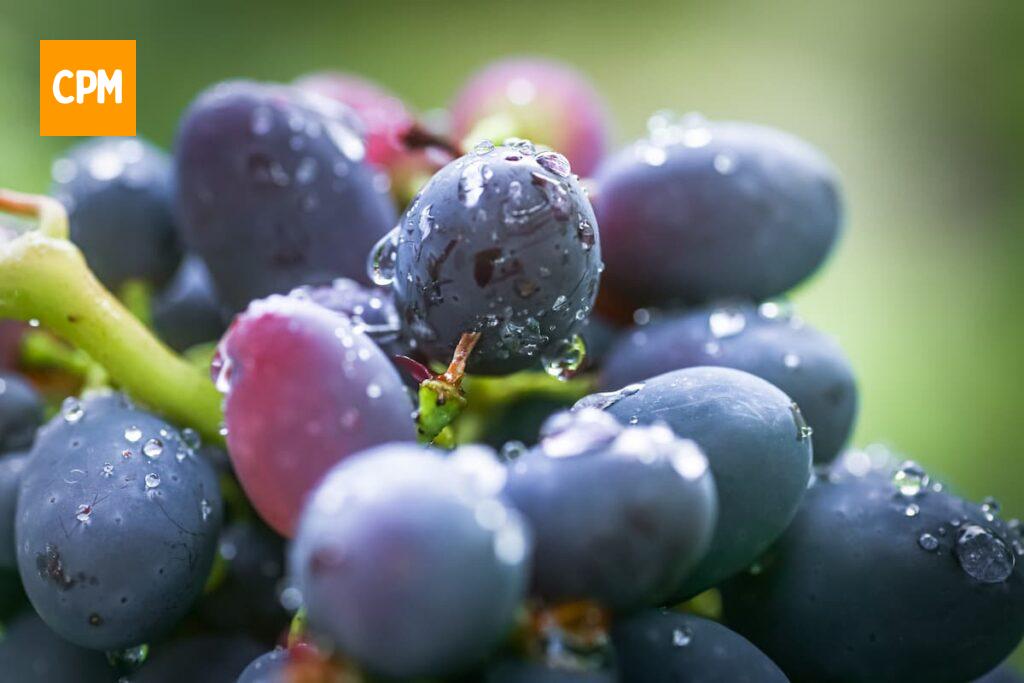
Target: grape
[246, 600]
[187, 312]
[370, 309]
[657, 646]
[884, 578]
[117, 524]
[632, 545]
[304, 390]
[503, 242]
[705, 210]
[757, 445]
[198, 659]
[11, 467]
[1002, 674]
[273, 192]
[21, 412]
[766, 341]
[519, 671]
[296, 664]
[408, 562]
[540, 99]
[32, 653]
[117, 192]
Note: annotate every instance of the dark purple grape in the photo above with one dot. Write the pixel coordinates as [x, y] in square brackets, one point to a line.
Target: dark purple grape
[766, 341]
[756, 442]
[620, 515]
[273, 192]
[408, 562]
[21, 412]
[118, 194]
[503, 242]
[11, 467]
[707, 210]
[305, 389]
[198, 659]
[32, 653]
[246, 601]
[188, 312]
[370, 310]
[117, 523]
[884, 577]
[659, 646]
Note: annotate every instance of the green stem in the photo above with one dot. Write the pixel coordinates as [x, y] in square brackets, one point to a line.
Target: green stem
[137, 297]
[44, 277]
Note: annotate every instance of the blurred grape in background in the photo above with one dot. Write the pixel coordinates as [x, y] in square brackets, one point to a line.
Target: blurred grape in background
[917, 103]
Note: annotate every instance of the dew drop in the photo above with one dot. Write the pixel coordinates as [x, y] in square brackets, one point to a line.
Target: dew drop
[152, 480]
[566, 359]
[71, 410]
[383, 259]
[928, 542]
[556, 163]
[910, 479]
[982, 555]
[132, 434]
[912, 510]
[205, 509]
[483, 148]
[726, 322]
[803, 430]
[606, 399]
[153, 448]
[681, 637]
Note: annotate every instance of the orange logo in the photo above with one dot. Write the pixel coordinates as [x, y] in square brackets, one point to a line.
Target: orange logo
[86, 87]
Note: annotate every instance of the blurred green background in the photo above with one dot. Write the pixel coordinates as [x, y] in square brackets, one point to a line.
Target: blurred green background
[920, 104]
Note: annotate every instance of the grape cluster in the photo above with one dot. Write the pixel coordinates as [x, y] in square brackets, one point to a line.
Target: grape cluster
[465, 416]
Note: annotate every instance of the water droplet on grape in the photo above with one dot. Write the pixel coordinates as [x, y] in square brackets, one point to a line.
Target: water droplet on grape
[132, 434]
[152, 480]
[726, 322]
[983, 556]
[681, 637]
[153, 448]
[71, 410]
[910, 479]
[383, 259]
[928, 542]
[566, 358]
[606, 399]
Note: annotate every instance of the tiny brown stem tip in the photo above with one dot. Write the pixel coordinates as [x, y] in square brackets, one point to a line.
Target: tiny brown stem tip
[418, 137]
[457, 370]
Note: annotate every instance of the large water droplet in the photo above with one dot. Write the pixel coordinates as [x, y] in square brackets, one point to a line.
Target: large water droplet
[566, 358]
[726, 322]
[803, 430]
[153, 448]
[556, 163]
[606, 399]
[383, 259]
[982, 555]
[681, 637]
[71, 410]
[132, 434]
[910, 479]
[472, 182]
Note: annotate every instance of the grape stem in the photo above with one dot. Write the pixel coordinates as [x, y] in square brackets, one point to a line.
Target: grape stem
[441, 398]
[418, 137]
[44, 277]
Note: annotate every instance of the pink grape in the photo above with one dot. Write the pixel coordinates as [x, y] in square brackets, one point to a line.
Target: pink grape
[545, 101]
[304, 389]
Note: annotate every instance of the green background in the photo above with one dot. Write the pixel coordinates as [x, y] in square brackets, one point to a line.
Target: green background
[919, 104]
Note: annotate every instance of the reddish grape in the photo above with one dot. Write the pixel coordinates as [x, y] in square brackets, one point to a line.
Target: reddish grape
[546, 101]
[304, 390]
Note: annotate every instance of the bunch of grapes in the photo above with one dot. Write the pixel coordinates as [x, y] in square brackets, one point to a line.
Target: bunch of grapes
[337, 392]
